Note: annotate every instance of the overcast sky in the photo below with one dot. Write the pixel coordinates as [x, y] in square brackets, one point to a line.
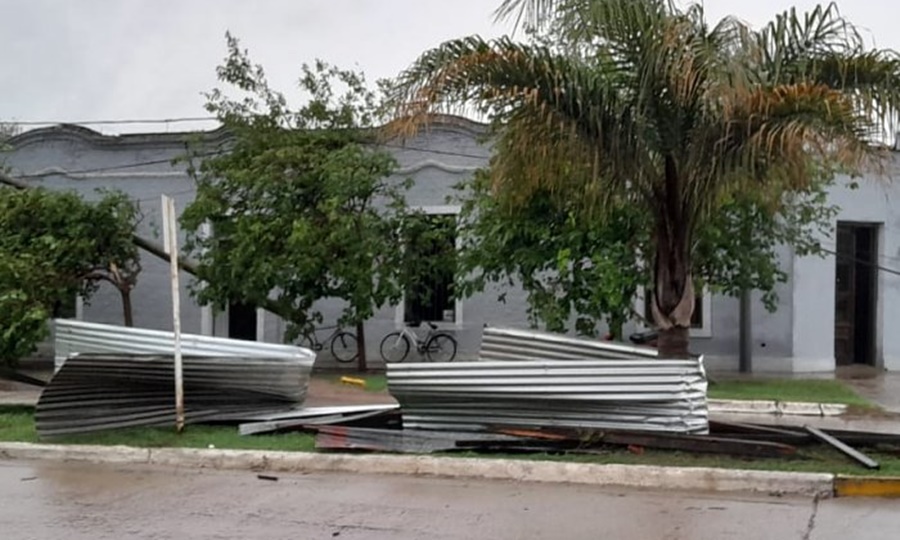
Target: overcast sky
[77, 60]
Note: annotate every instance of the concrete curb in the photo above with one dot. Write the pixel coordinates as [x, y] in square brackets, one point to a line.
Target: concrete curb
[777, 408]
[630, 476]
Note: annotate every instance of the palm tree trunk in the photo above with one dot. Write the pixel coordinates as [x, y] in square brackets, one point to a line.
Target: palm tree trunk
[673, 305]
[673, 298]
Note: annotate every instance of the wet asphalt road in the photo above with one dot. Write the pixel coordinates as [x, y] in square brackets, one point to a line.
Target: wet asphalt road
[43, 501]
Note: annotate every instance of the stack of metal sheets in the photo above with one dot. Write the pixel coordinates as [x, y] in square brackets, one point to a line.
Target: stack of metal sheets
[646, 395]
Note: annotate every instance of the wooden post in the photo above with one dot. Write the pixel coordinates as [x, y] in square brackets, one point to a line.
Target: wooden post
[171, 247]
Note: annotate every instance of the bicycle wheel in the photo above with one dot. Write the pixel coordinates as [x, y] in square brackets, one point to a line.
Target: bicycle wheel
[441, 348]
[306, 342]
[394, 347]
[344, 347]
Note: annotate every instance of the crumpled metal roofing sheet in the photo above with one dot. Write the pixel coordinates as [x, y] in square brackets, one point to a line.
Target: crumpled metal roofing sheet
[111, 376]
[638, 394]
[98, 392]
[516, 344]
[74, 337]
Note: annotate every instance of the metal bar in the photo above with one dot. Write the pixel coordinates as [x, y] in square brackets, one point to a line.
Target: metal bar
[854, 454]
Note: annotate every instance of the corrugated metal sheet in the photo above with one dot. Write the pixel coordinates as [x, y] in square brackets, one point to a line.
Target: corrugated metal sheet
[75, 337]
[312, 416]
[515, 344]
[636, 394]
[98, 392]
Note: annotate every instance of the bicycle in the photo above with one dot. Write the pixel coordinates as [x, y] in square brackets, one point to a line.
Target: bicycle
[435, 346]
[344, 345]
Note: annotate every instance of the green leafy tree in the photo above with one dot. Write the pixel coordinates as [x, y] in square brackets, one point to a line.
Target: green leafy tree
[593, 269]
[25, 300]
[301, 206]
[53, 246]
[565, 264]
[646, 101]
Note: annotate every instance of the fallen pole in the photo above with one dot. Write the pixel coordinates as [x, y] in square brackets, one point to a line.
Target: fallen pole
[858, 456]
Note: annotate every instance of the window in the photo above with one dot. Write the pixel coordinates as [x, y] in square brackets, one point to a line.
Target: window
[71, 308]
[700, 320]
[430, 262]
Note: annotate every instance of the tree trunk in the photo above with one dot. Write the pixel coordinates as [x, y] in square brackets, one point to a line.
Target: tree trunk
[362, 366]
[615, 328]
[126, 307]
[673, 299]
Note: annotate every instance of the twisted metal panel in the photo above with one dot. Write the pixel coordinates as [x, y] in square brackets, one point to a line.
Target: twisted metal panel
[93, 393]
[516, 344]
[112, 377]
[76, 337]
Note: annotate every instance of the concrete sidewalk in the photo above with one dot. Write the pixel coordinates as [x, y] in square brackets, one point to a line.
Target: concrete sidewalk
[879, 387]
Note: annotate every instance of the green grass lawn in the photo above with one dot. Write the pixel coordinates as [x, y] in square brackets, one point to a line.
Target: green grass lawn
[808, 390]
[16, 424]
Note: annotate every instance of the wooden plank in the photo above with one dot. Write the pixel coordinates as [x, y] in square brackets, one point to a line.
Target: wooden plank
[585, 439]
[702, 444]
[858, 456]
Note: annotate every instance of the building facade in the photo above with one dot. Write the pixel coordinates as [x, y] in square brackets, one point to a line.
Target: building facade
[835, 310]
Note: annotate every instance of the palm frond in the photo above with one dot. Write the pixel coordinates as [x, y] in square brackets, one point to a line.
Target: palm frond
[871, 79]
[788, 45]
[530, 12]
[560, 122]
[785, 133]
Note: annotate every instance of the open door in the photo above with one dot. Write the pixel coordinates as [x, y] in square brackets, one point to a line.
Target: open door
[855, 294]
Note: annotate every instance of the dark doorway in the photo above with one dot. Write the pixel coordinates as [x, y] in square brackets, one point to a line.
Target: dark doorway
[242, 322]
[431, 262]
[855, 294]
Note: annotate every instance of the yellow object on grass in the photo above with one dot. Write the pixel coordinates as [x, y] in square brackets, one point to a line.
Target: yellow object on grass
[354, 381]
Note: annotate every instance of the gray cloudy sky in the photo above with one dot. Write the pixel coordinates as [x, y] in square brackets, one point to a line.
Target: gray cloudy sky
[74, 60]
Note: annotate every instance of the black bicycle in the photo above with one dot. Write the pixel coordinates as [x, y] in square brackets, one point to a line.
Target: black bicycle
[436, 346]
[344, 345]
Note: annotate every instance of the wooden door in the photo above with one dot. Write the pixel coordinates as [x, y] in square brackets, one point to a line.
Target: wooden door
[845, 295]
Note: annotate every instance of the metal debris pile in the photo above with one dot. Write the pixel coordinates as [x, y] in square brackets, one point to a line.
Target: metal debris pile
[538, 379]
[726, 438]
[529, 392]
[112, 377]
[650, 395]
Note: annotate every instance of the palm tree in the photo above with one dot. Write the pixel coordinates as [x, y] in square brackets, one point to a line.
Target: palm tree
[645, 101]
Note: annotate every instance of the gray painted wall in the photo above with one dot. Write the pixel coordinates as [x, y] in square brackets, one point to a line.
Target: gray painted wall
[875, 201]
[797, 337]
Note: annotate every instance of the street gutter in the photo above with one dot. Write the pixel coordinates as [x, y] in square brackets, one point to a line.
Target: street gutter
[775, 483]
